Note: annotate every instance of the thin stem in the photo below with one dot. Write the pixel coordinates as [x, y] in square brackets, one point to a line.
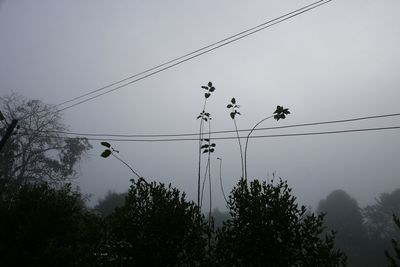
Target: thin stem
[199, 167]
[220, 179]
[204, 182]
[127, 165]
[240, 146]
[247, 142]
[209, 173]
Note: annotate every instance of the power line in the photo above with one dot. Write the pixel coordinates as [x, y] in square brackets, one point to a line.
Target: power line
[184, 58]
[229, 131]
[188, 54]
[234, 137]
[192, 55]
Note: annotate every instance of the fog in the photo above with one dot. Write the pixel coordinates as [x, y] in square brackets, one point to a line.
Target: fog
[338, 61]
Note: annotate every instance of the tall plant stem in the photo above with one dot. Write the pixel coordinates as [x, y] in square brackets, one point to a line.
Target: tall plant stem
[220, 179]
[203, 185]
[209, 173]
[127, 165]
[247, 142]
[240, 146]
[199, 160]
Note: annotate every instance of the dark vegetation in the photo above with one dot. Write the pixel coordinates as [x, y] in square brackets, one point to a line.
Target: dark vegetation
[44, 220]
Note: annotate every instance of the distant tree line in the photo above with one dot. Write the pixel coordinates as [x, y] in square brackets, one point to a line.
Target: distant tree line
[363, 234]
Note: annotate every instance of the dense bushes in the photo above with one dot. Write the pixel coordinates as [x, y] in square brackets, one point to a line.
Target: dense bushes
[268, 228]
[157, 226]
[43, 226]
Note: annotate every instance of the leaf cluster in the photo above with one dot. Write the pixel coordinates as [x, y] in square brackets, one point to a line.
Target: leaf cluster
[209, 89]
[208, 147]
[280, 113]
[234, 108]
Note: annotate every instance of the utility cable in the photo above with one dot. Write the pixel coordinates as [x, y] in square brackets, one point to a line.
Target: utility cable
[228, 131]
[186, 55]
[232, 137]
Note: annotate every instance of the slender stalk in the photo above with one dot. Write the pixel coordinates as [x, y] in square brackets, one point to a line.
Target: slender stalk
[127, 165]
[247, 142]
[209, 173]
[203, 186]
[199, 160]
[220, 179]
[240, 146]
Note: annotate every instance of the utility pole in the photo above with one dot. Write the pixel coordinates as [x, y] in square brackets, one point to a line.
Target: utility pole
[8, 133]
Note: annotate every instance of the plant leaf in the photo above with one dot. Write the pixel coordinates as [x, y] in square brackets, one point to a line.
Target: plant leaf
[213, 144]
[211, 150]
[233, 115]
[229, 106]
[209, 84]
[233, 100]
[106, 144]
[205, 87]
[212, 89]
[207, 95]
[106, 153]
[205, 151]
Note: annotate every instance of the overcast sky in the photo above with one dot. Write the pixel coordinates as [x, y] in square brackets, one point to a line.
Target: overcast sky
[338, 61]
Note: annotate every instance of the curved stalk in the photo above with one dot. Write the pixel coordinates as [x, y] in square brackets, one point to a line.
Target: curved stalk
[220, 179]
[203, 186]
[240, 147]
[247, 142]
[127, 165]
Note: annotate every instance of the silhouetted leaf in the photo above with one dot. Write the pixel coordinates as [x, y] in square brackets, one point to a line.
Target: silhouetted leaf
[213, 145]
[233, 100]
[205, 87]
[212, 89]
[198, 117]
[233, 115]
[207, 95]
[209, 84]
[106, 153]
[212, 150]
[204, 146]
[106, 144]
[205, 151]
[229, 106]
[207, 140]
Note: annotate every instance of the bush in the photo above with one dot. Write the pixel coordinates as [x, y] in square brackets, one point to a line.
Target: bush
[156, 227]
[268, 228]
[43, 226]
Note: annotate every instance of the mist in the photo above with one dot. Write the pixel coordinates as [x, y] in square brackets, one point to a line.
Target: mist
[338, 61]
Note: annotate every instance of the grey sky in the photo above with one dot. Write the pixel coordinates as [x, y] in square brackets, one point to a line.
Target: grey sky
[338, 61]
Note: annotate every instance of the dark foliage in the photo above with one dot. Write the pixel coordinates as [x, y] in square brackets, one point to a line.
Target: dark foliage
[268, 228]
[156, 227]
[110, 202]
[394, 261]
[343, 215]
[38, 151]
[42, 226]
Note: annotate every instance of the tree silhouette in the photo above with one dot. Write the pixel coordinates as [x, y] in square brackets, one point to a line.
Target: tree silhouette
[156, 227]
[343, 215]
[268, 228]
[39, 151]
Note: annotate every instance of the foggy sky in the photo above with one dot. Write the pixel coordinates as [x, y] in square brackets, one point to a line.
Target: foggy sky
[338, 61]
